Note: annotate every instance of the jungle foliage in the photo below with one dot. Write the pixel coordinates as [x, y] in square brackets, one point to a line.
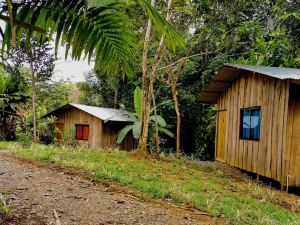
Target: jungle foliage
[258, 32]
[216, 32]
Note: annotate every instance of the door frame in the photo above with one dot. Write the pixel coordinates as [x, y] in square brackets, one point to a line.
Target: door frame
[217, 134]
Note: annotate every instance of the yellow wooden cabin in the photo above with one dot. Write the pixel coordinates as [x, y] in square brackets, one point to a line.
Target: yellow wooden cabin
[93, 126]
[258, 120]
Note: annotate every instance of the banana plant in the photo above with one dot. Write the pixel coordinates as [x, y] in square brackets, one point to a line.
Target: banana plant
[136, 126]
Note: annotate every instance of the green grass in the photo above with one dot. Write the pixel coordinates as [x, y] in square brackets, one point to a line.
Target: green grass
[204, 186]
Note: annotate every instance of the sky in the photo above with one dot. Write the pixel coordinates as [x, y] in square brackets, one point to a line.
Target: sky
[67, 69]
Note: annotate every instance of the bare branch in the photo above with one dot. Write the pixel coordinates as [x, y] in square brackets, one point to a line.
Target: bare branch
[23, 24]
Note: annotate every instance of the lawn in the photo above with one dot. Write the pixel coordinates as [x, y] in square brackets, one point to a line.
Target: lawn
[209, 187]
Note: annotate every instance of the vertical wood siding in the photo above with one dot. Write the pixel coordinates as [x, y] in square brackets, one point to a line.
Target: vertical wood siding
[109, 137]
[292, 157]
[264, 157]
[100, 134]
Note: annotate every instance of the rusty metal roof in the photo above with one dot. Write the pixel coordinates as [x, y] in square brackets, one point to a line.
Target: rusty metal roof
[229, 72]
[105, 114]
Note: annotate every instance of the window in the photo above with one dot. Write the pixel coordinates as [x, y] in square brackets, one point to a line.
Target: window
[82, 132]
[250, 124]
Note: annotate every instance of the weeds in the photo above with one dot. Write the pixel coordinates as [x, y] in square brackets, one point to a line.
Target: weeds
[4, 207]
[296, 206]
[210, 202]
[205, 186]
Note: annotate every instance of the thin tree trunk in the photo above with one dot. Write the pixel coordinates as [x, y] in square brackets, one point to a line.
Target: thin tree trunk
[116, 98]
[150, 90]
[177, 109]
[33, 96]
[157, 58]
[11, 21]
[156, 125]
[145, 87]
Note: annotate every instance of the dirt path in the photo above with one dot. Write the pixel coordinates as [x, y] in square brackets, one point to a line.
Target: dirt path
[35, 192]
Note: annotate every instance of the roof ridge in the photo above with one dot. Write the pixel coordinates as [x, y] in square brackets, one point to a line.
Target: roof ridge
[105, 114]
[98, 107]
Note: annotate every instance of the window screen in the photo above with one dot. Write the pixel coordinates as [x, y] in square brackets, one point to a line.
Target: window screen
[82, 132]
[250, 124]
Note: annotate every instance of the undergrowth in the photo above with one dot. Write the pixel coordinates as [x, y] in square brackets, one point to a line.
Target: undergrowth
[5, 212]
[205, 186]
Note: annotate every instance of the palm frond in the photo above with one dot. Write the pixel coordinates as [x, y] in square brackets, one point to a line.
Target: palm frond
[173, 38]
[103, 31]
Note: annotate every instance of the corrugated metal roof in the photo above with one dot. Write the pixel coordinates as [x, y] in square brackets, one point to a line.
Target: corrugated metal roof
[105, 114]
[229, 72]
[277, 72]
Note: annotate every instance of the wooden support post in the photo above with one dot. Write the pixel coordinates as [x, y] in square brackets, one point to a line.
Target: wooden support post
[257, 177]
[281, 187]
[287, 183]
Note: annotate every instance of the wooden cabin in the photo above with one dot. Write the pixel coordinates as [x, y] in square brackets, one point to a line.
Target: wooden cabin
[258, 120]
[93, 126]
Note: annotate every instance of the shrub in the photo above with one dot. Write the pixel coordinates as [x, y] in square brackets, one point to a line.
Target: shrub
[69, 137]
[4, 208]
[47, 130]
[24, 136]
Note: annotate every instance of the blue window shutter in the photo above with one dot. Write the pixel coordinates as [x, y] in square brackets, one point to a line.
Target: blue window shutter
[250, 124]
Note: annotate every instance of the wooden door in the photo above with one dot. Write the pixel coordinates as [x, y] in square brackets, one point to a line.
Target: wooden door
[221, 130]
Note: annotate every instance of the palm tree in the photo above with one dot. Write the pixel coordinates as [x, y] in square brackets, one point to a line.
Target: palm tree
[103, 33]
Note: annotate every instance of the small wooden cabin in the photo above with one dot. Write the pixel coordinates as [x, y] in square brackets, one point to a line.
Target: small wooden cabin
[93, 126]
[258, 120]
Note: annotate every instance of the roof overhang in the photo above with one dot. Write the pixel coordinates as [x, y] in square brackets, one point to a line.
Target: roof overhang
[219, 84]
[59, 110]
[105, 114]
[229, 72]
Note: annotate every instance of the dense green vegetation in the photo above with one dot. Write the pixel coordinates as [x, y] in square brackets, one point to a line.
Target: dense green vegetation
[126, 56]
[216, 32]
[208, 187]
[171, 49]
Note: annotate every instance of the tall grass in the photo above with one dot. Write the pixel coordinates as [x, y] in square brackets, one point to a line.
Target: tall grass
[203, 186]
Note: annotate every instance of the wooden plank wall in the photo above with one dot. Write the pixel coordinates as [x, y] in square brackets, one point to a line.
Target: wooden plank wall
[100, 134]
[265, 156]
[292, 156]
[109, 138]
[75, 116]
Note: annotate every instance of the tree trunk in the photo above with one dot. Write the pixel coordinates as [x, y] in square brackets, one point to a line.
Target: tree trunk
[11, 21]
[177, 109]
[148, 80]
[116, 98]
[156, 124]
[146, 105]
[33, 96]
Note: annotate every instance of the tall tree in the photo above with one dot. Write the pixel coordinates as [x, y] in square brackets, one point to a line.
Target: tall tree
[148, 79]
[52, 95]
[39, 60]
[238, 31]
